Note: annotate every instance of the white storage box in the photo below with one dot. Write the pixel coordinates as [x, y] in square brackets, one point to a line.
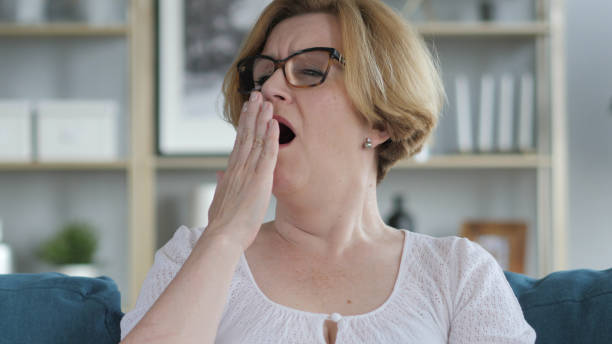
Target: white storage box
[77, 130]
[15, 131]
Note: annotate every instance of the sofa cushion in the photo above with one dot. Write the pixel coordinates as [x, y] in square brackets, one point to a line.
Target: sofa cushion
[54, 308]
[567, 306]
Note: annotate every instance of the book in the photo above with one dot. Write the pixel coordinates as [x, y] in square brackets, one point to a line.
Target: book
[485, 124]
[526, 118]
[464, 117]
[506, 114]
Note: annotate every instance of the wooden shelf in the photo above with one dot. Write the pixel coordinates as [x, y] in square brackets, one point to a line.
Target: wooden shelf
[62, 29]
[64, 166]
[191, 163]
[478, 161]
[459, 161]
[475, 29]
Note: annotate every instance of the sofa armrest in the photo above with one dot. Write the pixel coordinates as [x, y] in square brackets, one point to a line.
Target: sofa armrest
[567, 306]
[54, 308]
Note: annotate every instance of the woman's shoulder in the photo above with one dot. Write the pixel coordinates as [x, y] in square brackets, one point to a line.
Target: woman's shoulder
[447, 247]
[448, 256]
[453, 264]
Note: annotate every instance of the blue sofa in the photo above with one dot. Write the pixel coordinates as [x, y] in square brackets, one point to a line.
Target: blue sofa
[564, 307]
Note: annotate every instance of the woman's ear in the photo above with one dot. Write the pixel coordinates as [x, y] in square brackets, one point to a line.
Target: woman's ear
[378, 136]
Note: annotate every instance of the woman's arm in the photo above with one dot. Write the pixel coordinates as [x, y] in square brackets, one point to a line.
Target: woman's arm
[190, 308]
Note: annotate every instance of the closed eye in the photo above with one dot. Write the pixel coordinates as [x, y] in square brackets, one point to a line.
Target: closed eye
[311, 72]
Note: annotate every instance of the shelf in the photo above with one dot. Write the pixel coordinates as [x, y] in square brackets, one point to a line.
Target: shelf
[191, 163]
[64, 166]
[459, 161]
[478, 161]
[62, 29]
[475, 29]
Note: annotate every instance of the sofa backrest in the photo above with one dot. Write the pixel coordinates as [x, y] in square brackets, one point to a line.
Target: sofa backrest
[567, 306]
[54, 308]
[563, 307]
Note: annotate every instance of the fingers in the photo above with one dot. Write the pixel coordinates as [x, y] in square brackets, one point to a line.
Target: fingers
[234, 154]
[262, 123]
[261, 128]
[269, 154]
[246, 129]
[252, 132]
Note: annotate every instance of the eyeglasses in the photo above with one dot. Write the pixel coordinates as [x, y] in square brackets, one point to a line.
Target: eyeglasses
[304, 68]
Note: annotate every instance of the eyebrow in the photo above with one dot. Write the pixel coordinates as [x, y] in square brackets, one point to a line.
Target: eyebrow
[291, 51]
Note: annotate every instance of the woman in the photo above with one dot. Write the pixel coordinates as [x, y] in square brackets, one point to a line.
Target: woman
[326, 95]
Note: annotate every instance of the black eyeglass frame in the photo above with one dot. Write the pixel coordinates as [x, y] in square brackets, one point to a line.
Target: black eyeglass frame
[243, 64]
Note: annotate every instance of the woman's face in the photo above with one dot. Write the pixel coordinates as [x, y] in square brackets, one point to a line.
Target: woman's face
[327, 150]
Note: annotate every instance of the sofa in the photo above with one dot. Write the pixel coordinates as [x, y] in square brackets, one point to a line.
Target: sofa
[563, 307]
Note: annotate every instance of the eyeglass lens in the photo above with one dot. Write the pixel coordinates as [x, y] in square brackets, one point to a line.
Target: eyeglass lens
[302, 70]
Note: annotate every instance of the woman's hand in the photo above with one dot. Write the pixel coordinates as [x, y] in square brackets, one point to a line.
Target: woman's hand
[244, 189]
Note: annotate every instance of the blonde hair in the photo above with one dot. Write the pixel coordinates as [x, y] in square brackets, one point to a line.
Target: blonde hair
[390, 76]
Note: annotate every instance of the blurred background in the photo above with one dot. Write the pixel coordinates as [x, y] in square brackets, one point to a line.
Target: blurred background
[110, 133]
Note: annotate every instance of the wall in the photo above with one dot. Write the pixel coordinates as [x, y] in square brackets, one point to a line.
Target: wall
[589, 81]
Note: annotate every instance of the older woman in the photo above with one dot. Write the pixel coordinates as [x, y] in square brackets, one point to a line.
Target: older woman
[326, 95]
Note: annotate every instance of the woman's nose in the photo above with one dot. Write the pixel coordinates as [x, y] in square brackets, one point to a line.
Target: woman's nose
[276, 87]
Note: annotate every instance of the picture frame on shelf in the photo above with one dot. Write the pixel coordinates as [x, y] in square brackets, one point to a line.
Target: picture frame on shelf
[197, 43]
[505, 241]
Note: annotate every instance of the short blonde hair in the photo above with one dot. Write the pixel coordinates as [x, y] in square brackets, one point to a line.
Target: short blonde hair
[390, 76]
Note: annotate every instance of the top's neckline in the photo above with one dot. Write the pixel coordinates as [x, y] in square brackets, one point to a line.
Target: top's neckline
[395, 290]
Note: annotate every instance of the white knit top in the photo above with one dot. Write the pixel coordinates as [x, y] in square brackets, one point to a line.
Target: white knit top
[449, 290]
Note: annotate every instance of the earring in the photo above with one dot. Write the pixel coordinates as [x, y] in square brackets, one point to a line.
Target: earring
[367, 143]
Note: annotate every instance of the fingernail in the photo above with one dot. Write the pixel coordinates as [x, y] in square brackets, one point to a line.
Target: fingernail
[244, 106]
[253, 96]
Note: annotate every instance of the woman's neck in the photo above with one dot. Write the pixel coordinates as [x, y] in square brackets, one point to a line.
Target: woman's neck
[328, 224]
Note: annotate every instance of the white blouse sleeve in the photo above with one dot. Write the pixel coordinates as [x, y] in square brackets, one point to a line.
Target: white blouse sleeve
[484, 307]
[168, 261]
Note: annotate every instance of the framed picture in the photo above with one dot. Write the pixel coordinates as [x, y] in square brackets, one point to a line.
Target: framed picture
[503, 240]
[197, 42]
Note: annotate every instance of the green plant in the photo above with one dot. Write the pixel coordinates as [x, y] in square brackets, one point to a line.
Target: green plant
[75, 243]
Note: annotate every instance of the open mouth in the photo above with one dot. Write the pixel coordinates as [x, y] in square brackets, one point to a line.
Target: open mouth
[286, 134]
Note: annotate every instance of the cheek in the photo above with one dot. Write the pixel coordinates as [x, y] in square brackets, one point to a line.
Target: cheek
[326, 119]
[336, 136]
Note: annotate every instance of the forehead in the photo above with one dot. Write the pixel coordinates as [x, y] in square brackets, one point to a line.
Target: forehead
[303, 31]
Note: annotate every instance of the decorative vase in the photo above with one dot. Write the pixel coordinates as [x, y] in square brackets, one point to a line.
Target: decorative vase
[487, 10]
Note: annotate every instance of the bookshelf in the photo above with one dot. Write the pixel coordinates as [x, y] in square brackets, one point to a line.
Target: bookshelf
[142, 170]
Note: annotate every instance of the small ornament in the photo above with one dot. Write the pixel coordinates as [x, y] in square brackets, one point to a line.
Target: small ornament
[400, 218]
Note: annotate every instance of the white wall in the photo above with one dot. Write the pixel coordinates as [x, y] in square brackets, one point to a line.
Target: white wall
[589, 81]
